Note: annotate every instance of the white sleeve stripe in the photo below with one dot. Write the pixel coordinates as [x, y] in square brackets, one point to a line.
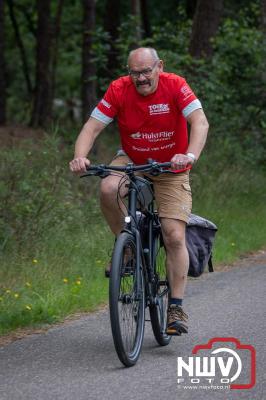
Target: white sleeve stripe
[100, 116]
[194, 105]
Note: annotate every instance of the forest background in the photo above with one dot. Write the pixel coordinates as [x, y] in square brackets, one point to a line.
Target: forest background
[56, 61]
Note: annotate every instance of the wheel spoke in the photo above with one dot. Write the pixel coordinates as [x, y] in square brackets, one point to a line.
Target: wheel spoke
[158, 312]
[126, 301]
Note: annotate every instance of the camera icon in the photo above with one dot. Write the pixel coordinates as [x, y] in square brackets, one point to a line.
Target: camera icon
[237, 363]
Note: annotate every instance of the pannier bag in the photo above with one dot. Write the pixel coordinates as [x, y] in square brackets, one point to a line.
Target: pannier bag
[200, 234]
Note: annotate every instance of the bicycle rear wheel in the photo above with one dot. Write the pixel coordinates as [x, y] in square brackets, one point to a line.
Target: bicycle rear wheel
[158, 311]
[127, 300]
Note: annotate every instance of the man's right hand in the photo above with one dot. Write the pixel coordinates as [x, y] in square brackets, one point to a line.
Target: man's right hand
[78, 165]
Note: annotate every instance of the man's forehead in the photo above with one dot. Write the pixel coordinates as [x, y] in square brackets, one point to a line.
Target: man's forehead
[141, 62]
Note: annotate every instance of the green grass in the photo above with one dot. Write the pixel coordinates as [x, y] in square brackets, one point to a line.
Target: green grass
[234, 200]
[64, 276]
[54, 251]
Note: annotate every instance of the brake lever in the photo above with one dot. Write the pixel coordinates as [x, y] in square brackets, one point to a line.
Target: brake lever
[104, 174]
[159, 171]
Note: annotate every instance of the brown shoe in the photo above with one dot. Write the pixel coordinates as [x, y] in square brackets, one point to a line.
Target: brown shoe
[176, 320]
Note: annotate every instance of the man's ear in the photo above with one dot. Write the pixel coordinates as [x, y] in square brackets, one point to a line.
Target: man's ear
[161, 65]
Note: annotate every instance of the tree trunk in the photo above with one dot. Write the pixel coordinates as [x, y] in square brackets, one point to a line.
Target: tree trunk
[191, 8]
[145, 18]
[88, 66]
[2, 66]
[205, 25]
[29, 17]
[21, 48]
[54, 46]
[135, 11]
[263, 16]
[263, 27]
[42, 107]
[111, 25]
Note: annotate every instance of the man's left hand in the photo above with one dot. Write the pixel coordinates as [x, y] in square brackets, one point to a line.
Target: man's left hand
[181, 161]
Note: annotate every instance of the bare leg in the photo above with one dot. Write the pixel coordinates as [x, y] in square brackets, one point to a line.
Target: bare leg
[109, 205]
[177, 260]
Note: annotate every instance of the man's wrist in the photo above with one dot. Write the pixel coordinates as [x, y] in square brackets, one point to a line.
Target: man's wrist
[192, 156]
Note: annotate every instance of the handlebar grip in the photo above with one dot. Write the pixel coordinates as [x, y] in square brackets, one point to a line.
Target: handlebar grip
[93, 167]
[165, 164]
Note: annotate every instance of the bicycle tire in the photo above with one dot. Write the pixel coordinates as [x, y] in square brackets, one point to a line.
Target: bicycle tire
[126, 300]
[158, 311]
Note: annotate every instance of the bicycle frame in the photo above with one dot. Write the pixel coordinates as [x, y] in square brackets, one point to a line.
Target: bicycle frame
[145, 256]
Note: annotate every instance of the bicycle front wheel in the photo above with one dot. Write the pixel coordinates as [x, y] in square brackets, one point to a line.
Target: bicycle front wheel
[127, 300]
[158, 311]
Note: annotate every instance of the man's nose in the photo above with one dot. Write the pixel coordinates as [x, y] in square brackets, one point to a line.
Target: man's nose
[142, 77]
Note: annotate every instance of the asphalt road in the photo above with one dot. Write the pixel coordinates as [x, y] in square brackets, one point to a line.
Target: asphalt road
[77, 361]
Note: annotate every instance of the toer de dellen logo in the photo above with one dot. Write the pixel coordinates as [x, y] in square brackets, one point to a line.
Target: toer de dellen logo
[222, 363]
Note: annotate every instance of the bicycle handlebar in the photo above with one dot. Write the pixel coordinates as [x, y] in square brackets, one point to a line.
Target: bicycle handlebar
[102, 170]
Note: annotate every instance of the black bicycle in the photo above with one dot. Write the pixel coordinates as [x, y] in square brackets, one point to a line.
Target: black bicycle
[138, 276]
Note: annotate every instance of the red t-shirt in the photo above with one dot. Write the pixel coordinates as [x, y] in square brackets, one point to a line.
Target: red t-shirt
[150, 126]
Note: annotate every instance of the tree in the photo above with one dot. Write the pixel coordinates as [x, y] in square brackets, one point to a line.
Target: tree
[48, 30]
[56, 26]
[205, 25]
[263, 16]
[111, 25]
[21, 47]
[145, 18]
[2, 66]
[263, 27]
[191, 8]
[135, 11]
[88, 88]
[42, 107]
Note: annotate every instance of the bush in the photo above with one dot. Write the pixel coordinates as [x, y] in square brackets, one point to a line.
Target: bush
[54, 243]
[233, 93]
[35, 192]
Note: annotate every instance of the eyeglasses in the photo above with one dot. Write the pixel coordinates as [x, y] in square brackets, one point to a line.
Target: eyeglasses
[146, 72]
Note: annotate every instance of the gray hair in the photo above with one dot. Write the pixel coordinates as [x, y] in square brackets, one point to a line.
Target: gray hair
[151, 50]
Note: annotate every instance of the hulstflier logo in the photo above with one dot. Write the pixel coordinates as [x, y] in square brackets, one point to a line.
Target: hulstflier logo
[136, 135]
[153, 136]
[222, 363]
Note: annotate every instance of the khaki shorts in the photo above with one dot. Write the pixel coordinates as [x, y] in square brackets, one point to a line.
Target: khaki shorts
[172, 192]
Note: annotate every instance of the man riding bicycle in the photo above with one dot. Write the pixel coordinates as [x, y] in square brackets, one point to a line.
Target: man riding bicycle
[152, 109]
